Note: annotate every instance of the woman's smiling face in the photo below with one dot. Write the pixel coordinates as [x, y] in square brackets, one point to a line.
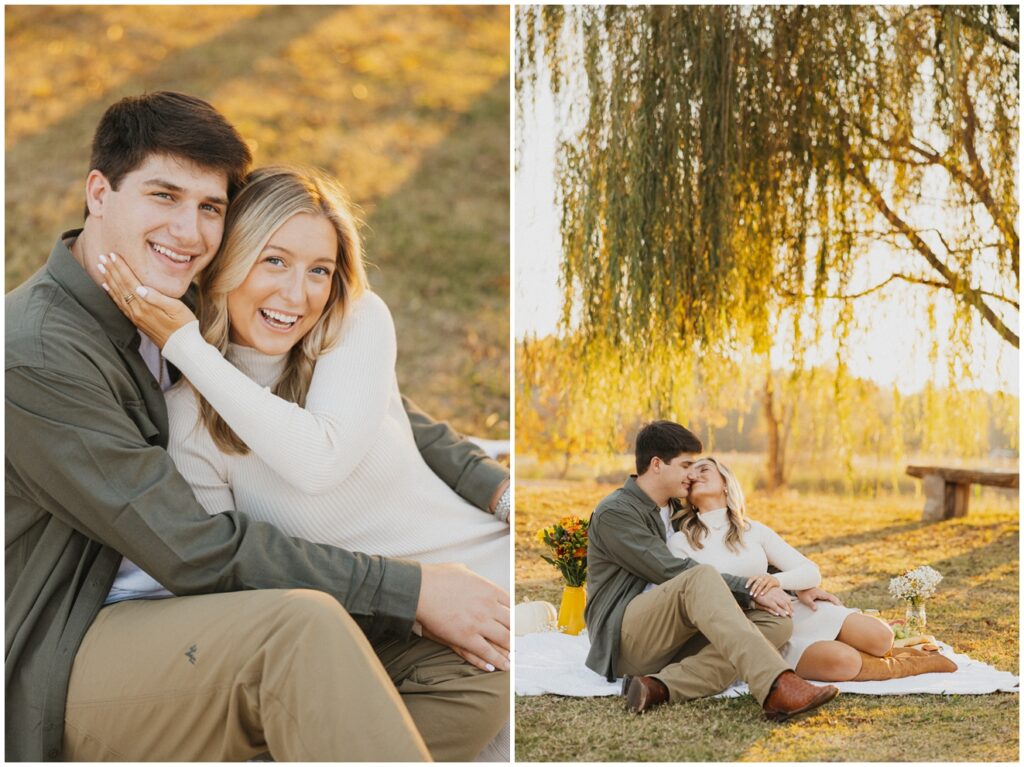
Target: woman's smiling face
[286, 291]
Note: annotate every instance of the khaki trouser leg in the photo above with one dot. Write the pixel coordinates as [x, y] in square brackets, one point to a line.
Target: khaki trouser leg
[225, 677]
[658, 624]
[457, 708]
[700, 666]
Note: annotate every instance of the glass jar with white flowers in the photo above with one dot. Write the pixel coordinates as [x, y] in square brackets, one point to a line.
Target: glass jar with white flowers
[915, 587]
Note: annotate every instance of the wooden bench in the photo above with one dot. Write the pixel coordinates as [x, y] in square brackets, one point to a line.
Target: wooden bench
[947, 490]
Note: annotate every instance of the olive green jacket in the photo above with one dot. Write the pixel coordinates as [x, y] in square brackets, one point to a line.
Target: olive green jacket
[626, 550]
[88, 481]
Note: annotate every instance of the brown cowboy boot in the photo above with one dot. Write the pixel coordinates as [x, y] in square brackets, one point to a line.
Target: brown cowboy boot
[792, 695]
[902, 662]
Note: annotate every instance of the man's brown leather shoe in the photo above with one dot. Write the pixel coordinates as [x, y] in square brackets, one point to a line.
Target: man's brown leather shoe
[792, 695]
[643, 693]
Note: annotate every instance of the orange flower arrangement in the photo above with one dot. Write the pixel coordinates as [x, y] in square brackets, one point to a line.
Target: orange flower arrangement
[567, 539]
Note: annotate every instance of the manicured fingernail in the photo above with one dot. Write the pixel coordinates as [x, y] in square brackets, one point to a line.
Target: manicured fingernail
[102, 268]
[105, 287]
[489, 667]
[113, 257]
[103, 259]
[141, 291]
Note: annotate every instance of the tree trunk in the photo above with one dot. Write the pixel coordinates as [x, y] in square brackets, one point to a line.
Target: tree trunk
[775, 469]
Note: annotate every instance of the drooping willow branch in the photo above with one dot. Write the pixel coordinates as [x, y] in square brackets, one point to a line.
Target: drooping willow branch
[952, 280]
[888, 280]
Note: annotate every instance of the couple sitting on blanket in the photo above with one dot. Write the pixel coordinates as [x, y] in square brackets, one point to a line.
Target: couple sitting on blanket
[185, 577]
[680, 602]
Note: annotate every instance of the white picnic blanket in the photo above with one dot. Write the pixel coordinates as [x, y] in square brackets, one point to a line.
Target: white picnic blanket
[549, 662]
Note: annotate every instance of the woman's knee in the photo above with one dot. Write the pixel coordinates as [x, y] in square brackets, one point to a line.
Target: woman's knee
[867, 634]
[878, 638]
[829, 662]
[846, 662]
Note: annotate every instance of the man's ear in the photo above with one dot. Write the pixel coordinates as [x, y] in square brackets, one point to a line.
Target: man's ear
[655, 465]
[96, 190]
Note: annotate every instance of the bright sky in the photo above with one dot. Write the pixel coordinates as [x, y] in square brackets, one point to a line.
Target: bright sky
[890, 346]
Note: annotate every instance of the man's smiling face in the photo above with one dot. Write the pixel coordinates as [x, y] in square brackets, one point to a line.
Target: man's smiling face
[166, 220]
[674, 475]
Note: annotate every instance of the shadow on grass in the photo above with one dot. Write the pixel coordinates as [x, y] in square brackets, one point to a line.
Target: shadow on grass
[198, 70]
[441, 245]
[855, 539]
[972, 562]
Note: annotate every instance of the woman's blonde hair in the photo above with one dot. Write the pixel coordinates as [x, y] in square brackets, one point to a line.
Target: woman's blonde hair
[696, 531]
[269, 197]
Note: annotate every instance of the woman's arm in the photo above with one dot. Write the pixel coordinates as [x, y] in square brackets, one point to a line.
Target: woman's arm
[462, 466]
[316, 447]
[796, 571]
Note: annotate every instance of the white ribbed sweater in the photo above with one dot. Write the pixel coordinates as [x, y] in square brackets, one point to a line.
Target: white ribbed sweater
[345, 469]
[761, 547]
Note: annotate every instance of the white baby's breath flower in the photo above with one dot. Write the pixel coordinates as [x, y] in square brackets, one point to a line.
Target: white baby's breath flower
[919, 583]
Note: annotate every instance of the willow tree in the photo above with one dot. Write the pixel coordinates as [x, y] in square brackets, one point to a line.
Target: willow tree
[721, 168]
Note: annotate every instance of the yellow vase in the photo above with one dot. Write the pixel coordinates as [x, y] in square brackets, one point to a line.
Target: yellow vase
[570, 614]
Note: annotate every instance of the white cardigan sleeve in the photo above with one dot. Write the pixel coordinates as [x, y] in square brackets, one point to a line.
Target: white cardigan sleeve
[316, 448]
[194, 453]
[797, 571]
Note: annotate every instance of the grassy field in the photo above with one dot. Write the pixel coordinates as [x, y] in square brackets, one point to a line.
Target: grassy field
[859, 544]
[408, 108]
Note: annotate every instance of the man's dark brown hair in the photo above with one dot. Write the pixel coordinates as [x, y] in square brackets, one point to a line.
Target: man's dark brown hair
[167, 123]
[666, 440]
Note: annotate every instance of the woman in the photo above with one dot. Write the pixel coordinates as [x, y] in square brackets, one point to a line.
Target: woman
[829, 644]
[300, 422]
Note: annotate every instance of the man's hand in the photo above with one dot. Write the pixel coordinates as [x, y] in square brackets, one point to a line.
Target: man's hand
[775, 601]
[809, 596]
[468, 613]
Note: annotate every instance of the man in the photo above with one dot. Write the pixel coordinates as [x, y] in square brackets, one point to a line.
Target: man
[676, 629]
[268, 643]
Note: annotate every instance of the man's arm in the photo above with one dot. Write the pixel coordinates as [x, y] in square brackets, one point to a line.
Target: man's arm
[83, 459]
[462, 465]
[645, 554]
[74, 450]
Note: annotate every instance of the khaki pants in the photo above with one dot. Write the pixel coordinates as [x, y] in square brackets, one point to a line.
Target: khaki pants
[226, 677]
[690, 634]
